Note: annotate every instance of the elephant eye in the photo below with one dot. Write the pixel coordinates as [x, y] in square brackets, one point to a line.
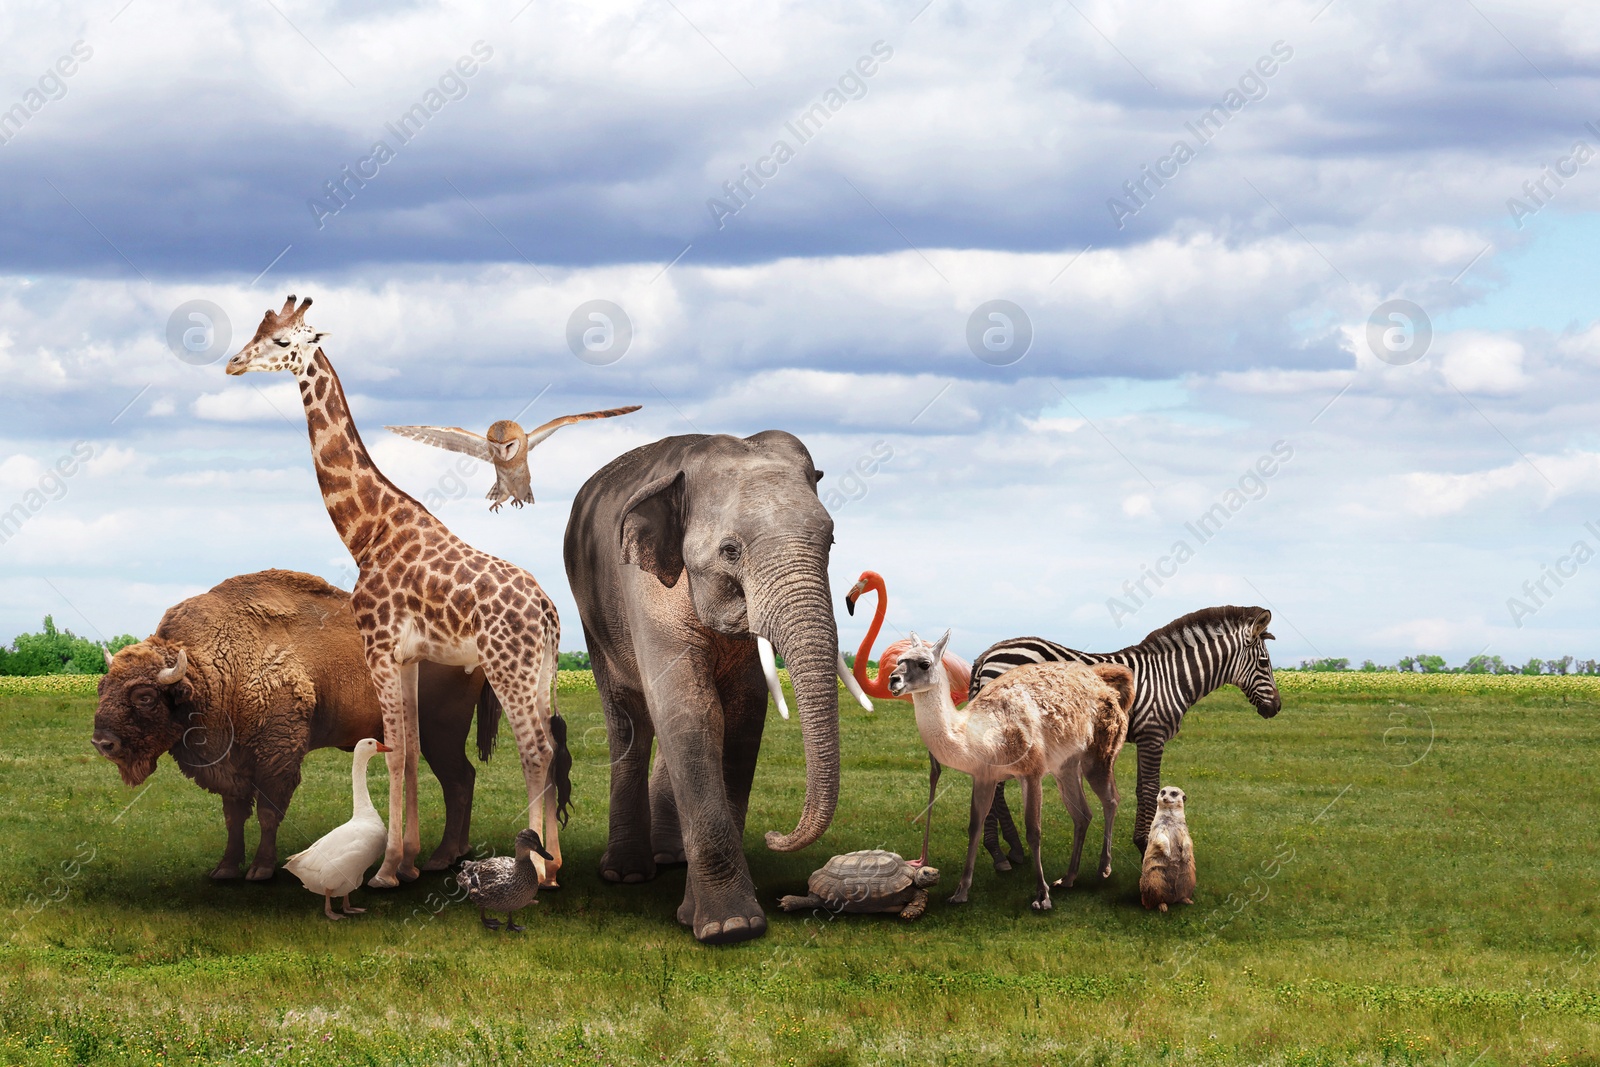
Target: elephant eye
[730, 551]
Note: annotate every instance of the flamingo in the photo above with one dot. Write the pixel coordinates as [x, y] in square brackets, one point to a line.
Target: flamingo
[958, 670]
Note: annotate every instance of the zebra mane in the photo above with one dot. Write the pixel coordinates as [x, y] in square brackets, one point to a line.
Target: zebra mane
[1189, 629]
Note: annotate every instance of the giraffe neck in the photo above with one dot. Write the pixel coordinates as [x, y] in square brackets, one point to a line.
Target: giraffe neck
[361, 502]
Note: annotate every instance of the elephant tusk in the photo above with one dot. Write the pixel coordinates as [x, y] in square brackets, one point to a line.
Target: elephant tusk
[769, 667]
[851, 684]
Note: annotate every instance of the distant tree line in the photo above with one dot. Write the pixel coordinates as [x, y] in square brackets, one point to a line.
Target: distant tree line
[56, 651]
[1424, 664]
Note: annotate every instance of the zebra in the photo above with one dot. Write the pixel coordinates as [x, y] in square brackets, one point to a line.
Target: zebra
[1173, 667]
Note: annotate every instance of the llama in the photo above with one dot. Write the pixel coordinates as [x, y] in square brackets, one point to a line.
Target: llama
[1048, 718]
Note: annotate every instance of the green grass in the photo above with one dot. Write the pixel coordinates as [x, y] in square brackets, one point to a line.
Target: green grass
[1437, 912]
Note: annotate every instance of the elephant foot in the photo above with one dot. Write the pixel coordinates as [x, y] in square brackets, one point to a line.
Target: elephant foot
[260, 872]
[732, 929]
[671, 859]
[627, 869]
[225, 871]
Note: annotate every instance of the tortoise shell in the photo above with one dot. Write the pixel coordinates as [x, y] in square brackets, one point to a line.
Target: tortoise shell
[864, 878]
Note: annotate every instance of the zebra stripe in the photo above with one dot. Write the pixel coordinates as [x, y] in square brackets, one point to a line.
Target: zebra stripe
[1173, 667]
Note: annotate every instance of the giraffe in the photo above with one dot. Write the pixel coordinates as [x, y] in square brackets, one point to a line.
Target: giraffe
[422, 593]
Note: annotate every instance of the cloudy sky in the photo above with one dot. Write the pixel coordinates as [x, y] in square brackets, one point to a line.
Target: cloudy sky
[1350, 244]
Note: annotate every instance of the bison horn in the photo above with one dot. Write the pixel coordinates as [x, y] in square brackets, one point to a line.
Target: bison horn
[174, 673]
[107, 653]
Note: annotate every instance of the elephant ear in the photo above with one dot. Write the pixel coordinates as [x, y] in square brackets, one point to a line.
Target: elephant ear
[652, 528]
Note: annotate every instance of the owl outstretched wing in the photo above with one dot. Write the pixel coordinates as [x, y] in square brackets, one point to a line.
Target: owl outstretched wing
[539, 433]
[453, 438]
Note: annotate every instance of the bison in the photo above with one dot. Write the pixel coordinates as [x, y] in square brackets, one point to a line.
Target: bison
[239, 683]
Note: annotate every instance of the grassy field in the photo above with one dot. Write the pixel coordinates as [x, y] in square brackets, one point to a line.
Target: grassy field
[1389, 873]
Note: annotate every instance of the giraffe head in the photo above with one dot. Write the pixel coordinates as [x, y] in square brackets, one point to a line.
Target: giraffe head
[283, 341]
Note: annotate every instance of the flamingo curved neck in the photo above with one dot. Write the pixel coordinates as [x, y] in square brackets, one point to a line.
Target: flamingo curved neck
[879, 686]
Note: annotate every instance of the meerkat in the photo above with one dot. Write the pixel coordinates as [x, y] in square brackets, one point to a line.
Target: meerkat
[1168, 874]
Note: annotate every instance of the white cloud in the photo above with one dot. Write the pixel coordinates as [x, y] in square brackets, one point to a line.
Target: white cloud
[251, 402]
[1478, 362]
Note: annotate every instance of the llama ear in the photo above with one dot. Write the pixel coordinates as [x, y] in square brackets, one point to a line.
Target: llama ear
[915, 640]
[938, 649]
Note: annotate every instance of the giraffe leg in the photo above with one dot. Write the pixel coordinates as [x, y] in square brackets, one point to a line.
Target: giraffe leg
[545, 698]
[411, 842]
[386, 680]
[505, 664]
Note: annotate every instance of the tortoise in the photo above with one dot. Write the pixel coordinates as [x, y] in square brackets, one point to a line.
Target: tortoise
[869, 881]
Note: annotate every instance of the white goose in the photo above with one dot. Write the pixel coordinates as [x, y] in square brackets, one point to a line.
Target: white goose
[335, 865]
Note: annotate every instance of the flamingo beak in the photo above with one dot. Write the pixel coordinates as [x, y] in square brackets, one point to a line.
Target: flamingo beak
[850, 597]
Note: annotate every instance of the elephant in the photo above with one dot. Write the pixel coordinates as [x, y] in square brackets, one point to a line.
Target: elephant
[691, 559]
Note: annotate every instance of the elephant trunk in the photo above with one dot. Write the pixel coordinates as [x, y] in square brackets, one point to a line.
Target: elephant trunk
[792, 608]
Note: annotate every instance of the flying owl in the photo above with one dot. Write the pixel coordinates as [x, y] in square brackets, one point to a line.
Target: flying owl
[506, 446]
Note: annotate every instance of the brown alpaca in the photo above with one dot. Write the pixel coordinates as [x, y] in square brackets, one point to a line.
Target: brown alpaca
[1168, 874]
[1047, 718]
[423, 593]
